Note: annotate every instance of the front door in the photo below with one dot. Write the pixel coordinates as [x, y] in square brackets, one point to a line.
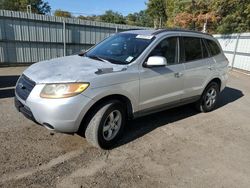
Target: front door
[160, 86]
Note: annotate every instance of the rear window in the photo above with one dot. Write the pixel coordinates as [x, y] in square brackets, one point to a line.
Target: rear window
[213, 47]
[192, 48]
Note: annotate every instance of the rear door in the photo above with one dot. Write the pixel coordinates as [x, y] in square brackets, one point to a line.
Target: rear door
[197, 66]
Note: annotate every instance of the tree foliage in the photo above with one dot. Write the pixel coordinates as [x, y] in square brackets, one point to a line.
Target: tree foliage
[113, 17]
[235, 15]
[220, 16]
[157, 10]
[37, 6]
[62, 13]
[92, 18]
[140, 19]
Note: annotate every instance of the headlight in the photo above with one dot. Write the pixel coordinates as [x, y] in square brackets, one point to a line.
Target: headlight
[56, 91]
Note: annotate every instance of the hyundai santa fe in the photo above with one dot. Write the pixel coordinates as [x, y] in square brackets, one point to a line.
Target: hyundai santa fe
[127, 75]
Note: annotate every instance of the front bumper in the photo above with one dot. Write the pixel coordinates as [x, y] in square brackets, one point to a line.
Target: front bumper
[61, 115]
[24, 110]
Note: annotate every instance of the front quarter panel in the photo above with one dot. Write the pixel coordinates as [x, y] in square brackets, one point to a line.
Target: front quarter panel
[124, 83]
[129, 89]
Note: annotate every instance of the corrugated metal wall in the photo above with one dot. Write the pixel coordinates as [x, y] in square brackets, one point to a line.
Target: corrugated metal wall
[237, 49]
[28, 38]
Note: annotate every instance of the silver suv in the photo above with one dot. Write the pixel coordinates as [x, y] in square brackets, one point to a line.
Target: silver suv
[127, 75]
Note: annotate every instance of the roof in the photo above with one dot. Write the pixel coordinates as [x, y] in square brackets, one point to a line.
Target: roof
[159, 31]
[141, 32]
[178, 30]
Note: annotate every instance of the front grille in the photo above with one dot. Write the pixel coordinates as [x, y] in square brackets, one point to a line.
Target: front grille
[24, 87]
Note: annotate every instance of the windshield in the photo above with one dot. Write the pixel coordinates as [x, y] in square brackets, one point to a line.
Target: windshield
[121, 48]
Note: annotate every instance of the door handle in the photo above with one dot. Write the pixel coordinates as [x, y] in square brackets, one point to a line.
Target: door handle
[178, 74]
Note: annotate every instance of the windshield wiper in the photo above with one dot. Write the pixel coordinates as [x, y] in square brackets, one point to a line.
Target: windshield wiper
[98, 58]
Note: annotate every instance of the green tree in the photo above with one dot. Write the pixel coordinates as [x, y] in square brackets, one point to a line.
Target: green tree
[62, 13]
[200, 12]
[173, 8]
[157, 10]
[140, 19]
[92, 18]
[235, 15]
[112, 17]
[131, 19]
[144, 19]
[220, 16]
[37, 6]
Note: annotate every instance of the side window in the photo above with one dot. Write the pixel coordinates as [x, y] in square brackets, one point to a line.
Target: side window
[204, 50]
[192, 48]
[213, 47]
[167, 48]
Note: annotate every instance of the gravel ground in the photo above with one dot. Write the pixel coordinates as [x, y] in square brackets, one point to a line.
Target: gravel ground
[174, 148]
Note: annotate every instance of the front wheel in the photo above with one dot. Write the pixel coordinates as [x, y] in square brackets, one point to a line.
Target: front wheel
[209, 98]
[106, 125]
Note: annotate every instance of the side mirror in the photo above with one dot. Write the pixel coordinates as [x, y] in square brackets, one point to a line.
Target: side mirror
[82, 53]
[156, 61]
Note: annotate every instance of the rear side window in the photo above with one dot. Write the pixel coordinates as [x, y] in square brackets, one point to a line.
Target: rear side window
[204, 50]
[192, 48]
[213, 47]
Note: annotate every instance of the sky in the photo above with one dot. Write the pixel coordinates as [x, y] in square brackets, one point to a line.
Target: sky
[90, 7]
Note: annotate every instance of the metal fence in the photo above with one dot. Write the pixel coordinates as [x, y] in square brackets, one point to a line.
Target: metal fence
[28, 38]
[237, 49]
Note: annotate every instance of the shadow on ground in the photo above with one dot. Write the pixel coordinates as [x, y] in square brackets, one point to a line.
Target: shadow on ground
[141, 126]
[7, 84]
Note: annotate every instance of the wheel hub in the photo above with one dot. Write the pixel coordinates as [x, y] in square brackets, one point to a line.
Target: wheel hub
[112, 125]
[210, 97]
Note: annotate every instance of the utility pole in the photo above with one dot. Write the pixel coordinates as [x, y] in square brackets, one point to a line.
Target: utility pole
[193, 7]
[64, 37]
[175, 13]
[160, 24]
[28, 8]
[204, 30]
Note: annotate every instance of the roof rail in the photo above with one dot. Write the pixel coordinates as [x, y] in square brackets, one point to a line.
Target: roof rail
[158, 31]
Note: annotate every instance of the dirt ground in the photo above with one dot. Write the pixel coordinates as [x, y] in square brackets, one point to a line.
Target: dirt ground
[174, 148]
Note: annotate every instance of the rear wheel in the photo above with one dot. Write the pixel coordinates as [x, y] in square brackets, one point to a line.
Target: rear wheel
[106, 125]
[209, 98]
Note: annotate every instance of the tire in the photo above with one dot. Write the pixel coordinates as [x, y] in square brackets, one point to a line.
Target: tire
[103, 131]
[208, 98]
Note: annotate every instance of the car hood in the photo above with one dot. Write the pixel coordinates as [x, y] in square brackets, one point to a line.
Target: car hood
[70, 69]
